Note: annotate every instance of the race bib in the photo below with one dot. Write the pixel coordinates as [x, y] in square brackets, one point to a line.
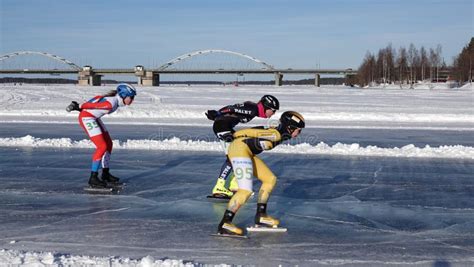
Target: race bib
[243, 172]
[91, 126]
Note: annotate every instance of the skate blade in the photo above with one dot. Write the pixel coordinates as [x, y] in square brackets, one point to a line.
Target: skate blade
[118, 186]
[257, 228]
[231, 236]
[106, 190]
[221, 197]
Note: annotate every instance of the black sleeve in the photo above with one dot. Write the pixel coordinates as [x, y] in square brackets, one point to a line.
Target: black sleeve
[248, 109]
[224, 124]
[252, 108]
[255, 146]
[227, 110]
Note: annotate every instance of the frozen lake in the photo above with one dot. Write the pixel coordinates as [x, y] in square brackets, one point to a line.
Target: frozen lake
[391, 185]
[351, 210]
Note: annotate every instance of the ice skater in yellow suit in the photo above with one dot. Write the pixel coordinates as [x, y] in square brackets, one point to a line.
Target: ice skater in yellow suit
[242, 154]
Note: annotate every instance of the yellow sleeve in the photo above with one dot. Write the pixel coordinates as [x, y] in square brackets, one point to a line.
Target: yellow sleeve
[270, 134]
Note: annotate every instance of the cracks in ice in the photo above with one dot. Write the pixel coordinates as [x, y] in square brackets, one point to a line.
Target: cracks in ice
[374, 182]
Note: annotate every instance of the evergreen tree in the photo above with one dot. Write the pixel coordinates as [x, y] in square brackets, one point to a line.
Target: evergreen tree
[463, 63]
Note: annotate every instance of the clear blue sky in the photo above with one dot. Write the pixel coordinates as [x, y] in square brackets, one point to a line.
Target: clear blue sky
[297, 34]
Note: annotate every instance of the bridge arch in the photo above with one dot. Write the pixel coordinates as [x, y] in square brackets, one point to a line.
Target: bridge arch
[55, 57]
[209, 51]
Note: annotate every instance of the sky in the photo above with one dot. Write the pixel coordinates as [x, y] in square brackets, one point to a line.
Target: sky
[285, 34]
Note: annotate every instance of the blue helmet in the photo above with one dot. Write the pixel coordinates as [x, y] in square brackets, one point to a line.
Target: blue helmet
[125, 89]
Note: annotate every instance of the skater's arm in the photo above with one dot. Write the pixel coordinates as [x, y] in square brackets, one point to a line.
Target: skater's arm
[73, 106]
[103, 105]
[227, 110]
[268, 134]
[247, 109]
[94, 104]
[257, 145]
[259, 140]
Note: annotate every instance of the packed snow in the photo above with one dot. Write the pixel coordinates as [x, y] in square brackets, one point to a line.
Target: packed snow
[22, 258]
[409, 151]
[332, 105]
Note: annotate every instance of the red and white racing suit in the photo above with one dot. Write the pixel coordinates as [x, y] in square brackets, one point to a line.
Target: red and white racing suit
[90, 121]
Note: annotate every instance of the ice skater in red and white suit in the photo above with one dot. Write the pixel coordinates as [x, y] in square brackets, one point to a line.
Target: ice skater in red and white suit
[89, 119]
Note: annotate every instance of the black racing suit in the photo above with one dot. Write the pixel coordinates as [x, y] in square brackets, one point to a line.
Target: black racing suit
[225, 121]
[230, 116]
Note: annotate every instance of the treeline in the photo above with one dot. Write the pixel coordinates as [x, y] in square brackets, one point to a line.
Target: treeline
[463, 63]
[21, 80]
[401, 66]
[412, 64]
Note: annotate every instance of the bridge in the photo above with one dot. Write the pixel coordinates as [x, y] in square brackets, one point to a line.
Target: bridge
[88, 75]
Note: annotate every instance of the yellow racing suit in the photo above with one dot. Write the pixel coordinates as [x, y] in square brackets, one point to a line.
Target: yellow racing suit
[245, 163]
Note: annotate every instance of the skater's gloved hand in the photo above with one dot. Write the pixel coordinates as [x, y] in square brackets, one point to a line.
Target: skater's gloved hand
[212, 114]
[73, 106]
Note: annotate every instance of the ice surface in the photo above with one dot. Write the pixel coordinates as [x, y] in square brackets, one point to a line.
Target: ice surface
[337, 209]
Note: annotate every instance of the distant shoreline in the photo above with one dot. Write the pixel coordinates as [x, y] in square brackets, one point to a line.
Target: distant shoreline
[331, 81]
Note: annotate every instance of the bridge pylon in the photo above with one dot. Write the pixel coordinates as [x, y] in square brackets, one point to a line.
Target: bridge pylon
[317, 78]
[146, 77]
[278, 78]
[87, 77]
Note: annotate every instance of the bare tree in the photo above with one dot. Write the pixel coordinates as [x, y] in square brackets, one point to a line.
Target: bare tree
[412, 58]
[423, 62]
[417, 65]
[439, 60]
[402, 63]
[433, 61]
[390, 58]
[366, 72]
[380, 63]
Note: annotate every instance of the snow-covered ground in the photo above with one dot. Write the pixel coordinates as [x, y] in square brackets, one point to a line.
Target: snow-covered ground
[327, 107]
[372, 129]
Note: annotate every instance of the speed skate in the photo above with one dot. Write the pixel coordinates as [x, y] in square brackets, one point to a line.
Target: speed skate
[259, 228]
[112, 189]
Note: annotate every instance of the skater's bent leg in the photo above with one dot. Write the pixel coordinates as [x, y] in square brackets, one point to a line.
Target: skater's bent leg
[105, 160]
[264, 174]
[109, 142]
[219, 187]
[101, 149]
[226, 169]
[238, 200]
[268, 179]
[226, 226]
[93, 128]
[243, 173]
[108, 152]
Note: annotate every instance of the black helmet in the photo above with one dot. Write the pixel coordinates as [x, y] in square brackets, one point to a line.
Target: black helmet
[290, 121]
[270, 102]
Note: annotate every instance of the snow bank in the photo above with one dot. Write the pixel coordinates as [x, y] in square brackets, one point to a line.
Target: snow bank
[408, 151]
[12, 257]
